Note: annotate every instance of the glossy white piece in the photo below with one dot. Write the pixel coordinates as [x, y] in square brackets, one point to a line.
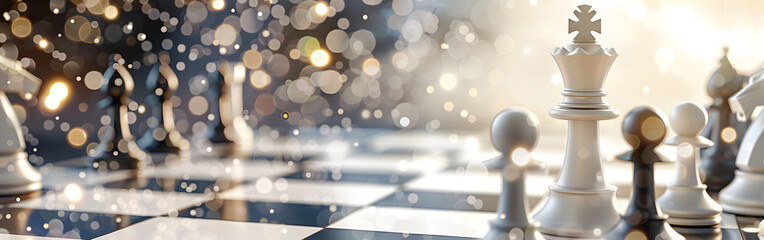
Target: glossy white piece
[17, 176]
[745, 194]
[310, 192]
[231, 112]
[581, 203]
[418, 221]
[193, 228]
[686, 201]
[114, 201]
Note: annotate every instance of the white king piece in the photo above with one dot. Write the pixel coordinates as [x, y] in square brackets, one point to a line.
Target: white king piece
[581, 203]
[17, 176]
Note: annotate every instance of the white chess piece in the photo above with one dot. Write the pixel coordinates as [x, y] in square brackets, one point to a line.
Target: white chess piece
[581, 203]
[745, 195]
[17, 176]
[686, 201]
[231, 107]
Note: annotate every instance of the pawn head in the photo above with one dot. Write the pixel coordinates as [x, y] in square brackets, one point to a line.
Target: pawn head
[688, 119]
[644, 127]
[514, 128]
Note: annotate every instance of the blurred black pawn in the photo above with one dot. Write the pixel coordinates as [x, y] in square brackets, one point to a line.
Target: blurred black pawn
[216, 127]
[162, 137]
[118, 149]
[514, 133]
[717, 163]
[644, 128]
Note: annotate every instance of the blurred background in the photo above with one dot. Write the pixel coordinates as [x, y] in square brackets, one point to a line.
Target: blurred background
[433, 65]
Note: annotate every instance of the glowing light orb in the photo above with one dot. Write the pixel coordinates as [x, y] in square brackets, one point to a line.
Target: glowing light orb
[57, 93]
[321, 9]
[319, 58]
[73, 193]
[447, 82]
[43, 43]
[77, 137]
[111, 12]
[218, 4]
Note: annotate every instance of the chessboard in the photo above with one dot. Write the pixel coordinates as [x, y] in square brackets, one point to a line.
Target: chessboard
[303, 184]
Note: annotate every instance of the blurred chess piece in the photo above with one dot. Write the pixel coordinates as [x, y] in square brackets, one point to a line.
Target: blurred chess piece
[717, 163]
[162, 137]
[17, 176]
[118, 150]
[644, 128]
[514, 133]
[581, 203]
[745, 195]
[686, 201]
[230, 134]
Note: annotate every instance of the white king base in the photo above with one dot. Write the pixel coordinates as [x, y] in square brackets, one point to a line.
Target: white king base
[18, 177]
[578, 214]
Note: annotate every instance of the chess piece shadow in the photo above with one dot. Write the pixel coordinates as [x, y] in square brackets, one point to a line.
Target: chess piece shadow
[118, 149]
[745, 195]
[686, 201]
[717, 164]
[644, 128]
[162, 137]
[514, 132]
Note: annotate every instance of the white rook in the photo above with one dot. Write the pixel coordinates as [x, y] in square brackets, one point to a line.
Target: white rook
[581, 203]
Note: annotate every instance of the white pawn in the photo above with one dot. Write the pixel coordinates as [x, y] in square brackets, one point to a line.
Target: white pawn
[514, 132]
[686, 201]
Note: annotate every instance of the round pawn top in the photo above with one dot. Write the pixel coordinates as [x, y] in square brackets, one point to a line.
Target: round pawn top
[514, 128]
[644, 127]
[688, 119]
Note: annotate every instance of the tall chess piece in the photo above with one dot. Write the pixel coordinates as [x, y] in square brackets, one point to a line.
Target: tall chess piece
[17, 176]
[717, 163]
[686, 201]
[644, 128]
[162, 137]
[581, 203]
[514, 133]
[238, 137]
[745, 195]
[119, 150]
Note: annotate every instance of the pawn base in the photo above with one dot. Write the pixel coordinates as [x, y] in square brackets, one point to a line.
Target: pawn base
[18, 177]
[650, 229]
[231, 150]
[690, 206]
[572, 213]
[745, 195]
[120, 161]
[502, 230]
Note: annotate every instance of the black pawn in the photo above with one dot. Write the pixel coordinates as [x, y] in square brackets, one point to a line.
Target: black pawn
[215, 92]
[118, 150]
[644, 128]
[718, 162]
[163, 137]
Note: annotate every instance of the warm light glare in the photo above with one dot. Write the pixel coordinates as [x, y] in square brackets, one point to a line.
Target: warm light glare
[111, 12]
[57, 93]
[319, 58]
[43, 43]
[321, 9]
[77, 137]
[73, 193]
[218, 4]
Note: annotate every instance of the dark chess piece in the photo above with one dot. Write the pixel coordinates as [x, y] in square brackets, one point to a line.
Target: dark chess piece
[118, 150]
[644, 129]
[216, 127]
[718, 162]
[162, 137]
[514, 133]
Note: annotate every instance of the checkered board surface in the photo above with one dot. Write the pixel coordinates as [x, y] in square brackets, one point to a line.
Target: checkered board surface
[385, 185]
